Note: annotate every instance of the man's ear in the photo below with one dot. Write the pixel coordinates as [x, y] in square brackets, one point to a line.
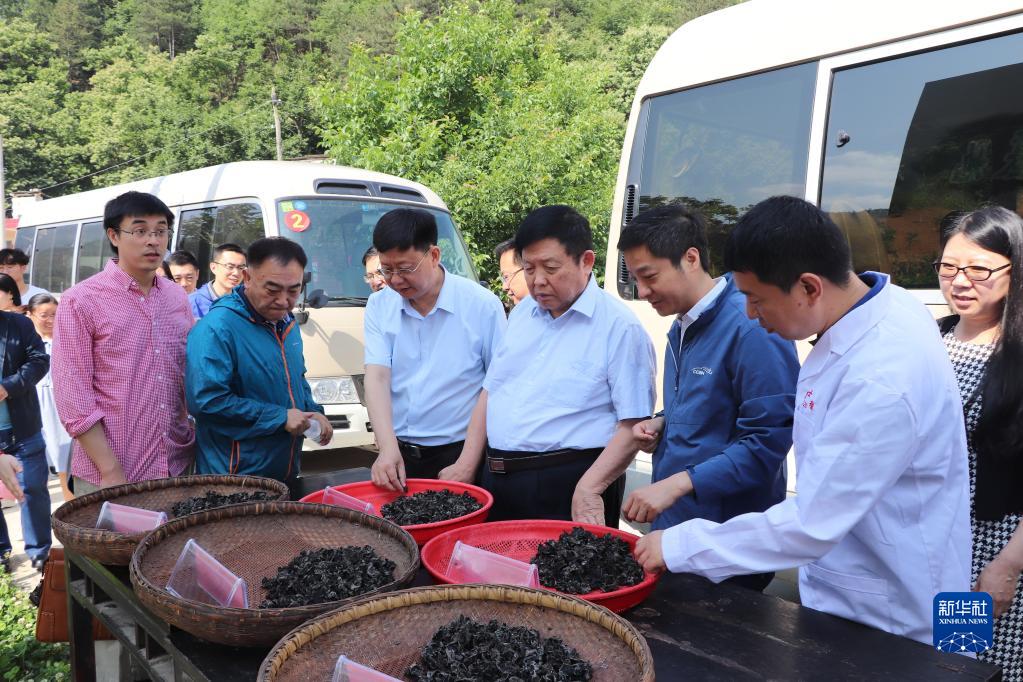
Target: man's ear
[811, 286]
[246, 277]
[588, 259]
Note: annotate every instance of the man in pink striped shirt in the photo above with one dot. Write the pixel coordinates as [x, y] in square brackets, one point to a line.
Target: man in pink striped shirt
[119, 356]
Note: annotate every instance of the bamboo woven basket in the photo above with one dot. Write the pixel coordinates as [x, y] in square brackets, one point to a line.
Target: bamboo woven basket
[388, 632]
[74, 522]
[253, 540]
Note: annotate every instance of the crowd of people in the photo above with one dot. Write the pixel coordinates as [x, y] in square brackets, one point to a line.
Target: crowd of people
[908, 433]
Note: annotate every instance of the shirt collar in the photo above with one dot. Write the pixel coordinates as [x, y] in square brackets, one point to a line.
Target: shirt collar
[122, 279]
[707, 301]
[860, 318]
[585, 304]
[446, 299]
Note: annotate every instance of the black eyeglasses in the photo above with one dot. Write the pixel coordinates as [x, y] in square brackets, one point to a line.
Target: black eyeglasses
[974, 273]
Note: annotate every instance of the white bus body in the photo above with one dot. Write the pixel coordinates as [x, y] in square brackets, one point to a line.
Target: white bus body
[241, 202]
[887, 114]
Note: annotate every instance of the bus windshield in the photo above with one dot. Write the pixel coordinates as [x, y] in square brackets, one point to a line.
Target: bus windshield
[336, 234]
[723, 147]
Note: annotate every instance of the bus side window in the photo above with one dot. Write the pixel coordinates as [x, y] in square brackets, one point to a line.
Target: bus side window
[201, 229]
[94, 250]
[930, 133]
[53, 258]
[25, 240]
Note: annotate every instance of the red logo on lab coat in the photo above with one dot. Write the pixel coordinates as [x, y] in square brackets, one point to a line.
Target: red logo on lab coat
[808, 400]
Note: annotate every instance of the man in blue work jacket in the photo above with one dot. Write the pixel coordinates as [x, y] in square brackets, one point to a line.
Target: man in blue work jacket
[245, 374]
[729, 386]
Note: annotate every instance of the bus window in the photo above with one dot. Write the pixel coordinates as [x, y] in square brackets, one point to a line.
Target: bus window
[93, 250]
[723, 147]
[336, 233]
[929, 134]
[53, 258]
[201, 229]
[25, 240]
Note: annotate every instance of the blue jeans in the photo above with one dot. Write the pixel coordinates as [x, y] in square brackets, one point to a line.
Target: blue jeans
[35, 510]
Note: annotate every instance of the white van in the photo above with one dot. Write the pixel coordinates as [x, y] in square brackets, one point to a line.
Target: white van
[329, 210]
[888, 115]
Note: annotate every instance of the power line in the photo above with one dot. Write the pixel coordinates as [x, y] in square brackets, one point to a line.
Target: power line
[161, 149]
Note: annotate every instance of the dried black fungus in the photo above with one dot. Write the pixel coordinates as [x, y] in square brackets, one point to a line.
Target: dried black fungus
[579, 562]
[327, 574]
[466, 650]
[212, 499]
[429, 506]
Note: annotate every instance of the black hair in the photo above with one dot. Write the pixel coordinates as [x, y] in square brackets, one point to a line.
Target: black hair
[8, 284]
[227, 247]
[40, 300]
[668, 232]
[562, 223]
[371, 252]
[999, 430]
[781, 238]
[182, 258]
[280, 249]
[405, 228]
[11, 256]
[133, 204]
[506, 246]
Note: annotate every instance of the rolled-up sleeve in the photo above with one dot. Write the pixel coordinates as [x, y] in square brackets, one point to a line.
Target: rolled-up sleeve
[73, 369]
[631, 371]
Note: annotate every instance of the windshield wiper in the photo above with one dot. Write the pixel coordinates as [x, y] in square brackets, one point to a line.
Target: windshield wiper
[349, 300]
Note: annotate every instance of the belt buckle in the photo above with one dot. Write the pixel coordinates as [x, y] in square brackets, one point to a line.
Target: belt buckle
[414, 451]
[496, 465]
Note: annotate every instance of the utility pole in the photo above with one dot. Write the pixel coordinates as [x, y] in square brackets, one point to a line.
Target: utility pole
[3, 199]
[277, 123]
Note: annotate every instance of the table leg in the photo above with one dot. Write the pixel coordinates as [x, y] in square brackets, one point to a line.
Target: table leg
[83, 648]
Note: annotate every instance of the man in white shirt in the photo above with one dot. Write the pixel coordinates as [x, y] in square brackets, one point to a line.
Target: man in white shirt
[574, 374]
[880, 523]
[430, 336]
[14, 262]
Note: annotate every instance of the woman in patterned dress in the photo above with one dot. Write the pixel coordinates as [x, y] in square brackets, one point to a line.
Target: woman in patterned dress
[981, 278]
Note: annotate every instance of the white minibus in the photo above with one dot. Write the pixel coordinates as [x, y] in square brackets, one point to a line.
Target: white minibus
[329, 210]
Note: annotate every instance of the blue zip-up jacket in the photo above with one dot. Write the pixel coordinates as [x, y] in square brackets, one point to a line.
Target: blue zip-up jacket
[201, 300]
[242, 375]
[729, 422]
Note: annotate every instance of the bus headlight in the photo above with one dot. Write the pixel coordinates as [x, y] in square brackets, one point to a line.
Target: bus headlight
[333, 390]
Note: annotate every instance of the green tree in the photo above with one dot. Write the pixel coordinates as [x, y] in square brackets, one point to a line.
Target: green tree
[169, 25]
[480, 105]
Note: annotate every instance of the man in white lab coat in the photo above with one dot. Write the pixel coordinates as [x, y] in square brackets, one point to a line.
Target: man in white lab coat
[881, 522]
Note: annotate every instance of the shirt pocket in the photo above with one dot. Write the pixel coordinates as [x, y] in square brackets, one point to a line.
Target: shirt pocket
[582, 384]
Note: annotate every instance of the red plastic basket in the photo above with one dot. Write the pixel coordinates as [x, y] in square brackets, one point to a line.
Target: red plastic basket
[421, 533]
[519, 540]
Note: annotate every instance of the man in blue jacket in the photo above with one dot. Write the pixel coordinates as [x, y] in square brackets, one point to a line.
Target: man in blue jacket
[729, 386]
[245, 374]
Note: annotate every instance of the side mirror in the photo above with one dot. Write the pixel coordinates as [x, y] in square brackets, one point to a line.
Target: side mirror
[317, 299]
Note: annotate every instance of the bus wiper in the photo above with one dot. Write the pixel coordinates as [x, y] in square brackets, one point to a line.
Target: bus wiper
[349, 300]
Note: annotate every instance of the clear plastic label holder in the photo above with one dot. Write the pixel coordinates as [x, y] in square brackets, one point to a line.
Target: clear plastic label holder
[470, 564]
[339, 499]
[198, 576]
[347, 670]
[124, 519]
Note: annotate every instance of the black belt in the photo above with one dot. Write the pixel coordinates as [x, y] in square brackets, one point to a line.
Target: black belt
[424, 452]
[508, 462]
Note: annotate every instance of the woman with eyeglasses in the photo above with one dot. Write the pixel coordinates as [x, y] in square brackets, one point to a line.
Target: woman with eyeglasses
[981, 278]
[10, 296]
[42, 310]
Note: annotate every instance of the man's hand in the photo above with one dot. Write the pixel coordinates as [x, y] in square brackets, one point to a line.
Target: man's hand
[643, 505]
[326, 430]
[999, 579]
[297, 422]
[9, 468]
[458, 472]
[587, 506]
[389, 469]
[648, 552]
[112, 476]
[647, 433]
[3, 393]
